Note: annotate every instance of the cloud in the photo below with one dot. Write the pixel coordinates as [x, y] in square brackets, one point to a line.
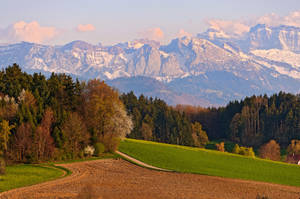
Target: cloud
[238, 27]
[183, 33]
[30, 32]
[85, 28]
[232, 28]
[153, 34]
[292, 19]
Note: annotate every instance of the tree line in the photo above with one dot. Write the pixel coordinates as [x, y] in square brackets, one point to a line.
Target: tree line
[154, 120]
[253, 121]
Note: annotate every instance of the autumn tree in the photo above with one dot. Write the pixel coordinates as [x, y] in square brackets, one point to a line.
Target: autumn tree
[270, 150]
[4, 135]
[199, 135]
[43, 142]
[76, 134]
[105, 114]
[146, 131]
[8, 107]
[22, 143]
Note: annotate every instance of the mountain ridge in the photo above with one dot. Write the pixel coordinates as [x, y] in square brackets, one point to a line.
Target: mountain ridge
[259, 62]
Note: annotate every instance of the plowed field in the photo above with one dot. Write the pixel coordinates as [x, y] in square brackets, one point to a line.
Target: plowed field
[119, 179]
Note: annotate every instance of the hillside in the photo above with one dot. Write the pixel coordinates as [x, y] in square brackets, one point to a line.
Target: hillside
[207, 162]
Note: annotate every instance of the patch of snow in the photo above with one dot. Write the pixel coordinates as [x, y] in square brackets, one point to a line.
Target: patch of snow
[165, 55]
[281, 70]
[280, 55]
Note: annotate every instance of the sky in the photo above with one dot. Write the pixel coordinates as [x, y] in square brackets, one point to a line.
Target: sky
[109, 22]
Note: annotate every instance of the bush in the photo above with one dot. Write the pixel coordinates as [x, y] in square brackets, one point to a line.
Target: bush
[220, 147]
[89, 150]
[270, 150]
[229, 146]
[99, 149]
[246, 151]
[2, 166]
[236, 149]
[211, 146]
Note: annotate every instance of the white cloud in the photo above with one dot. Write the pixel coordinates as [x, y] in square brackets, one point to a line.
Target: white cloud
[292, 19]
[30, 32]
[232, 28]
[153, 34]
[239, 27]
[85, 28]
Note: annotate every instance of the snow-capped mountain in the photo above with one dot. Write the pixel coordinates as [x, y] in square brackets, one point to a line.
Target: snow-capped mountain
[281, 37]
[209, 69]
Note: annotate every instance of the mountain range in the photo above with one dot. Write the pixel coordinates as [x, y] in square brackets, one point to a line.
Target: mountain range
[209, 69]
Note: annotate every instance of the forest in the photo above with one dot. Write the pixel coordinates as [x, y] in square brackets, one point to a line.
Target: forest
[59, 118]
[252, 121]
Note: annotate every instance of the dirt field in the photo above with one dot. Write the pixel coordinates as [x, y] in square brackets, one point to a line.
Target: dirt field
[120, 179]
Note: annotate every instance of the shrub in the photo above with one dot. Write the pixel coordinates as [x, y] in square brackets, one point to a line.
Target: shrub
[270, 150]
[220, 147]
[246, 151]
[99, 148]
[236, 149]
[89, 150]
[211, 146]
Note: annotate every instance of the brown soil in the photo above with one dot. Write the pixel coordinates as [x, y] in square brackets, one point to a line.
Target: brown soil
[119, 179]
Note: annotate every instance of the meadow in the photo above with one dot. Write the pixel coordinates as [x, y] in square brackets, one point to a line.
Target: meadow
[25, 175]
[210, 162]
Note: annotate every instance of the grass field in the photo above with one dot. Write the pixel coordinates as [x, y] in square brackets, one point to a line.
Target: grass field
[208, 162]
[25, 175]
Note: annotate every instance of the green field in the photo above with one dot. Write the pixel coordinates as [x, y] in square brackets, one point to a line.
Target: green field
[25, 175]
[208, 162]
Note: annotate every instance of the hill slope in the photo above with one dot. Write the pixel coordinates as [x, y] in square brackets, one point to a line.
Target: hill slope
[201, 161]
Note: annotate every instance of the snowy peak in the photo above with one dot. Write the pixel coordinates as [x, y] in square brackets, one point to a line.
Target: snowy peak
[211, 66]
[78, 45]
[213, 34]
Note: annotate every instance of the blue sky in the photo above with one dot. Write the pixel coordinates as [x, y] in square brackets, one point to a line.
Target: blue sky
[113, 21]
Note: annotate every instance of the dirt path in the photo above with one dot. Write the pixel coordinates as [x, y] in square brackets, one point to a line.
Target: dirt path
[116, 179]
[139, 162]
